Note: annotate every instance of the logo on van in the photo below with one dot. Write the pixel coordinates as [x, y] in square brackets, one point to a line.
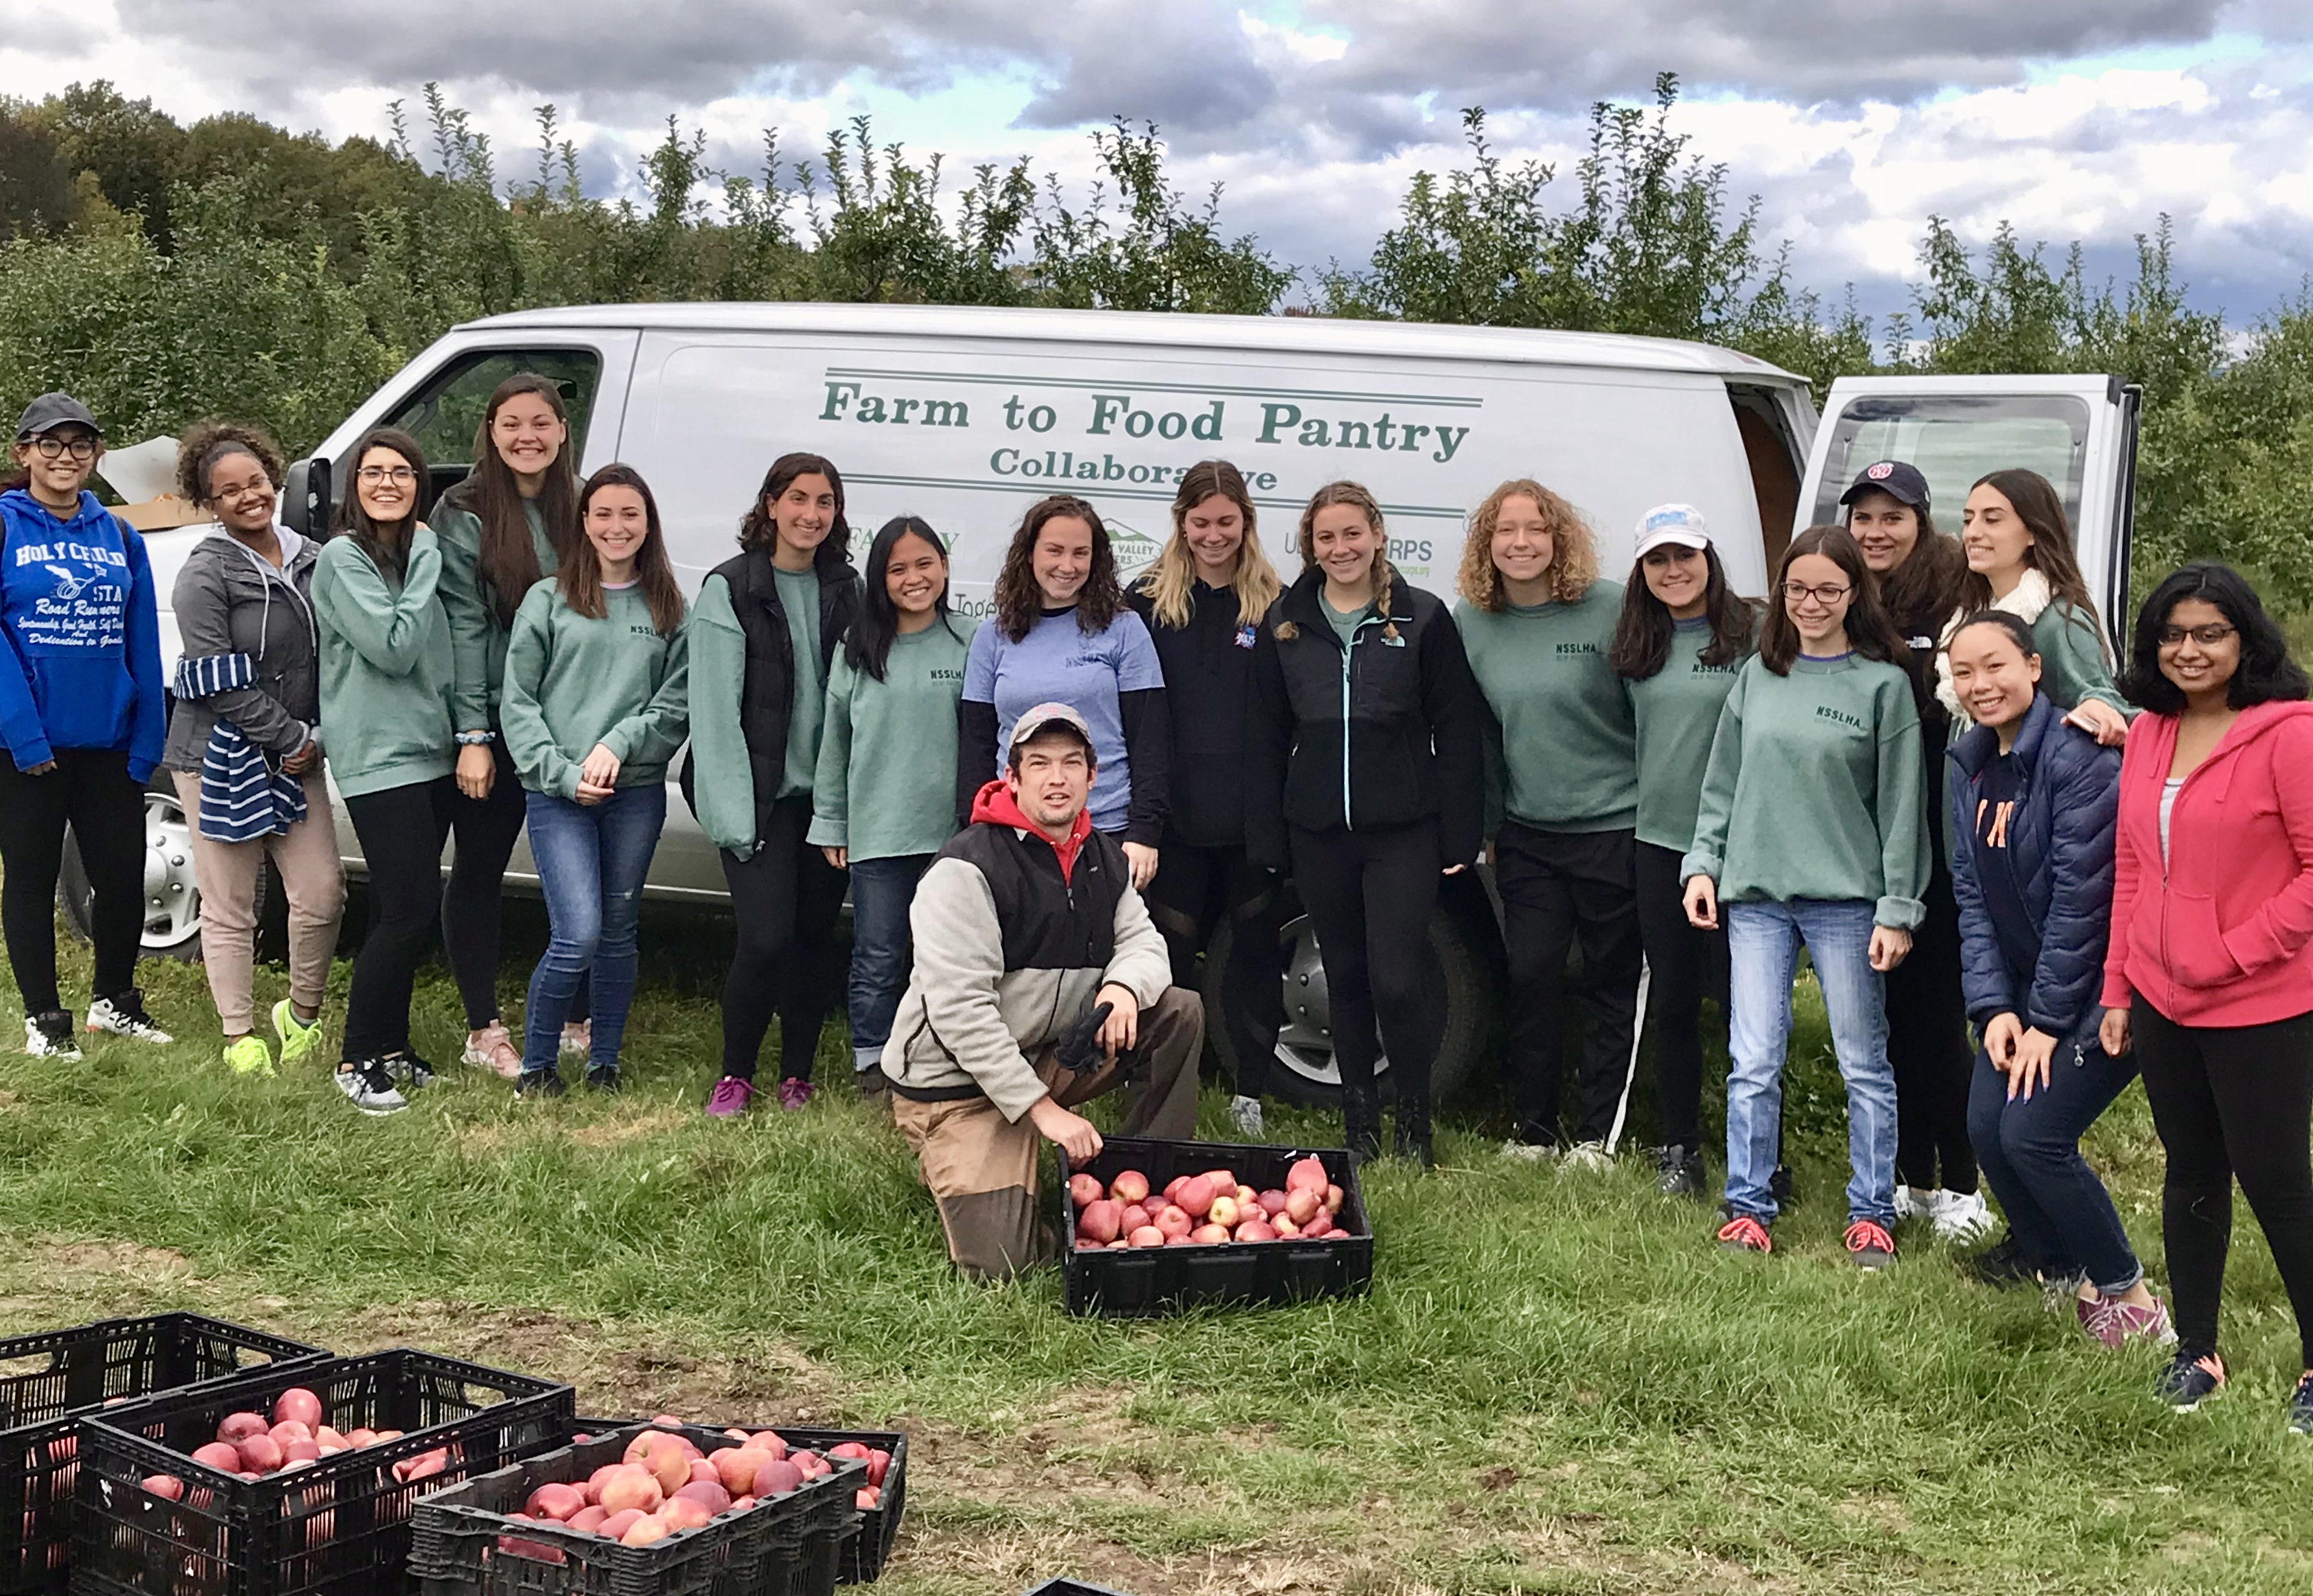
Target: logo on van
[1135, 551]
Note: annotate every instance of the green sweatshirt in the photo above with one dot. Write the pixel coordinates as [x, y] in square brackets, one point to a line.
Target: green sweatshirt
[1813, 790]
[573, 681]
[799, 597]
[1677, 710]
[885, 786]
[2071, 660]
[1561, 741]
[722, 776]
[385, 667]
[478, 642]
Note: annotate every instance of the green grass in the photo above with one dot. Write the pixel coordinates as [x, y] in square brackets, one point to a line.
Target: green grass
[1557, 1384]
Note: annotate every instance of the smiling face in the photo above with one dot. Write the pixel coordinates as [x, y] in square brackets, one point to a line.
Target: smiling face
[618, 524]
[2200, 649]
[1343, 543]
[1994, 678]
[529, 436]
[386, 485]
[1994, 537]
[1522, 547]
[1215, 532]
[801, 516]
[1061, 560]
[1816, 595]
[242, 493]
[59, 463]
[915, 576]
[1679, 577]
[1887, 528]
[1050, 777]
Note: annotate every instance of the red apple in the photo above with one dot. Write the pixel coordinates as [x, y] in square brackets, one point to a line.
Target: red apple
[714, 1498]
[1129, 1188]
[1222, 1180]
[220, 1455]
[1084, 1189]
[1134, 1216]
[657, 1452]
[777, 1477]
[301, 1451]
[632, 1486]
[645, 1530]
[1103, 1221]
[735, 1466]
[879, 1463]
[619, 1523]
[1256, 1230]
[589, 1518]
[1173, 1222]
[1195, 1196]
[556, 1501]
[772, 1442]
[1304, 1201]
[167, 1487]
[867, 1497]
[1210, 1235]
[1147, 1235]
[1173, 1187]
[287, 1429]
[239, 1427]
[1306, 1172]
[261, 1453]
[1272, 1202]
[1332, 1199]
[299, 1404]
[684, 1514]
[1285, 1228]
[1223, 1213]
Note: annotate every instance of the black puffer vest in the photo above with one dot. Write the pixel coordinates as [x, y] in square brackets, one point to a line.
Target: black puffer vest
[1048, 923]
[767, 695]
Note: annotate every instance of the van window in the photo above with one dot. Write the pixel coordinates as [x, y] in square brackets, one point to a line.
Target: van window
[443, 415]
[1954, 439]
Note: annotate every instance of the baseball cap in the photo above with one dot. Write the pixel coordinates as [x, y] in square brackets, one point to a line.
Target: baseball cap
[1893, 477]
[1672, 523]
[1048, 717]
[51, 411]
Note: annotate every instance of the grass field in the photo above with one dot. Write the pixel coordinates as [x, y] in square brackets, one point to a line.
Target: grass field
[1557, 1384]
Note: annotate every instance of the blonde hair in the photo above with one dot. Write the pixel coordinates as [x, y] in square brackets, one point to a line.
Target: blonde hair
[1355, 495]
[1573, 549]
[1173, 577]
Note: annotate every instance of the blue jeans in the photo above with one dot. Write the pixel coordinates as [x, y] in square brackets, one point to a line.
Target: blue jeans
[1763, 953]
[880, 891]
[2062, 1214]
[591, 860]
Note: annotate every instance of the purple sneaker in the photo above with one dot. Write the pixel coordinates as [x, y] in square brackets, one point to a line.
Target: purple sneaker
[794, 1094]
[2115, 1323]
[730, 1098]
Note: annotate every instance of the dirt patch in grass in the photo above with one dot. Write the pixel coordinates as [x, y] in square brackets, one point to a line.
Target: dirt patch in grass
[618, 1133]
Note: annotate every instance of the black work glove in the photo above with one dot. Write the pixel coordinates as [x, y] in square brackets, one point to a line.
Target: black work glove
[1079, 1050]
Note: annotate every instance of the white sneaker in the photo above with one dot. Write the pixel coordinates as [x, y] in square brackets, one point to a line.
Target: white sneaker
[1245, 1113]
[1590, 1157]
[1912, 1203]
[369, 1088]
[51, 1036]
[1963, 1217]
[1529, 1151]
[578, 1039]
[124, 1015]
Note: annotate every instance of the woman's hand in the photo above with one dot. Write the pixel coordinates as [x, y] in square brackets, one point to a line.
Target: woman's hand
[1702, 900]
[2100, 721]
[2034, 1051]
[2111, 1031]
[837, 858]
[1142, 858]
[45, 767]
[2000, 1039]
[304, 759]
[478, 768]
[1454, 870]
[598, 776]
[1888, 946]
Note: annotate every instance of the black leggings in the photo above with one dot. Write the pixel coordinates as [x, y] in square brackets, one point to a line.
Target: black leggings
[402, 831]
[472, 904]
[1370, 895]
[89, 791]
[1559, 887]
[1194, 889]
[2230, 1102]
[785, 897]
[1929, 1051]
[1684, 967]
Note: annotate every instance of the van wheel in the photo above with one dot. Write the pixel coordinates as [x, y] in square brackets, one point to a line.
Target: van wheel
[172, 895]
[1305, 1072]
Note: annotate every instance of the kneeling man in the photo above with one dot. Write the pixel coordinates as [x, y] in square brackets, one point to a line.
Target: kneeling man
[1024, 926]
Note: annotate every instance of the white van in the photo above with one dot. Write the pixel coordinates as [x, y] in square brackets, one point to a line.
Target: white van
[966, 416]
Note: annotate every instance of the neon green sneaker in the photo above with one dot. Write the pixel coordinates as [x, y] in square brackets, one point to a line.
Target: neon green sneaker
[298, 1039]
[249, 1056]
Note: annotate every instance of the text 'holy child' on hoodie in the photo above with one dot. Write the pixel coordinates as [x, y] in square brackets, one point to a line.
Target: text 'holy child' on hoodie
[76, 603]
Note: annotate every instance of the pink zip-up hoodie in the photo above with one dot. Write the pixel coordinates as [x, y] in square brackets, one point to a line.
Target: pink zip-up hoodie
[2223, 934]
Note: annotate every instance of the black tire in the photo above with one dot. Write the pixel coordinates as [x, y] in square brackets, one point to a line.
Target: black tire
[1305, 1072]
[172, 895]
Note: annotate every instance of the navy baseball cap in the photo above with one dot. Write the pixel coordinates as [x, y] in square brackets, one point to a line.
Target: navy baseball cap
[1900, 481]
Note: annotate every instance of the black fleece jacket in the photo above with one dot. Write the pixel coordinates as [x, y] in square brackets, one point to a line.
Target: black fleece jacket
[1208, 701]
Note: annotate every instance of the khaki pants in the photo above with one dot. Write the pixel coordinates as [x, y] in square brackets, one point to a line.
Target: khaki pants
[981, 1168]
[305, 861]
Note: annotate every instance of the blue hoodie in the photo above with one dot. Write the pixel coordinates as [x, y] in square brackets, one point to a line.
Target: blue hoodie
[76, 604]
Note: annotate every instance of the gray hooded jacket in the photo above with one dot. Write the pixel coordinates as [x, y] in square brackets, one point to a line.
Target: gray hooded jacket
[229, 600]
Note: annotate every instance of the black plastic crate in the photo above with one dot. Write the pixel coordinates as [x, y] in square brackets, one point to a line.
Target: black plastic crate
[339, 1527]
[863, 1562]
[1068, 1587]
[787, 1545]
[49, 1381]
[1156, 1280]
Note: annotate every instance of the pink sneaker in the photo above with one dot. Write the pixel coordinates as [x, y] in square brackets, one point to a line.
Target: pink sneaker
[795, 1094]
[731, 1097]
[492, 1048]
[2115, 1323]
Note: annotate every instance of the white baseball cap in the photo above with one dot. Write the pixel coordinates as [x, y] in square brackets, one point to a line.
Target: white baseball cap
[1672, 523]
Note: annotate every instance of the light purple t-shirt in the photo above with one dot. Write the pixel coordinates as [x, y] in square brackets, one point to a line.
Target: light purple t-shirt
[1056, 662]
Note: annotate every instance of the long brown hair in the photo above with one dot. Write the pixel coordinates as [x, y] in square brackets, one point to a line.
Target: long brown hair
[579, 577]
[1923, 591]
[1173, 577]
[1642, 632]
[1358, 497]
[508, 561]
[758, 530]
[1019, 601]
[2041, 508]
[387, 543]
[1573, 551]
[1871, 631]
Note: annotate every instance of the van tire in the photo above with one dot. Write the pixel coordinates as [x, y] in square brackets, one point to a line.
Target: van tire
[1305, 1075]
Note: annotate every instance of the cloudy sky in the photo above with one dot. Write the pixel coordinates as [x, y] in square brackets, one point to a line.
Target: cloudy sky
[1853, 120]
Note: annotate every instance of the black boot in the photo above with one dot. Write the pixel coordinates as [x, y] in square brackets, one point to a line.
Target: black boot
[1413, 1134]
[1362, 1123]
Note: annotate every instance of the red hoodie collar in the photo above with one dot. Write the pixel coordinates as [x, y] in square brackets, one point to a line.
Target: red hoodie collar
[994, 805]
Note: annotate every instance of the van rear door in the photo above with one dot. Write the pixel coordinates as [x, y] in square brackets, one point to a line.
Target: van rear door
[2079, 432]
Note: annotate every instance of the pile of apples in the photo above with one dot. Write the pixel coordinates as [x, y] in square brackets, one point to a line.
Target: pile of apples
[1206, 1210]
[665, 1484]
[249, 1447]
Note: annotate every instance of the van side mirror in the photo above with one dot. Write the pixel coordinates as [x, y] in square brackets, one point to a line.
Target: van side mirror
[305, 499]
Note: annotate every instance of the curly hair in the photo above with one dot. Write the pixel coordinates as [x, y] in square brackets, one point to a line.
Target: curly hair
[1358, 497]
[1019, 601]
[1574, 549]
[208, 443]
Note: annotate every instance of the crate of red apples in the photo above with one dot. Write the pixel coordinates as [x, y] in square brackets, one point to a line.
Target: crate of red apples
[1149, 1226]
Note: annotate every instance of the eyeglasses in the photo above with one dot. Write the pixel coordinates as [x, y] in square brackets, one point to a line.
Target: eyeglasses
[2207, 637]
[400, 476]
[52, 447]
[1826, 595]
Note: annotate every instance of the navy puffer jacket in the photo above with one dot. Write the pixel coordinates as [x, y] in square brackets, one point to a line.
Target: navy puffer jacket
[2060, 844]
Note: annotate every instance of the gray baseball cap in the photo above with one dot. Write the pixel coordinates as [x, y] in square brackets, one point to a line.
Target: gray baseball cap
[51, 411]
[1049, 717]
